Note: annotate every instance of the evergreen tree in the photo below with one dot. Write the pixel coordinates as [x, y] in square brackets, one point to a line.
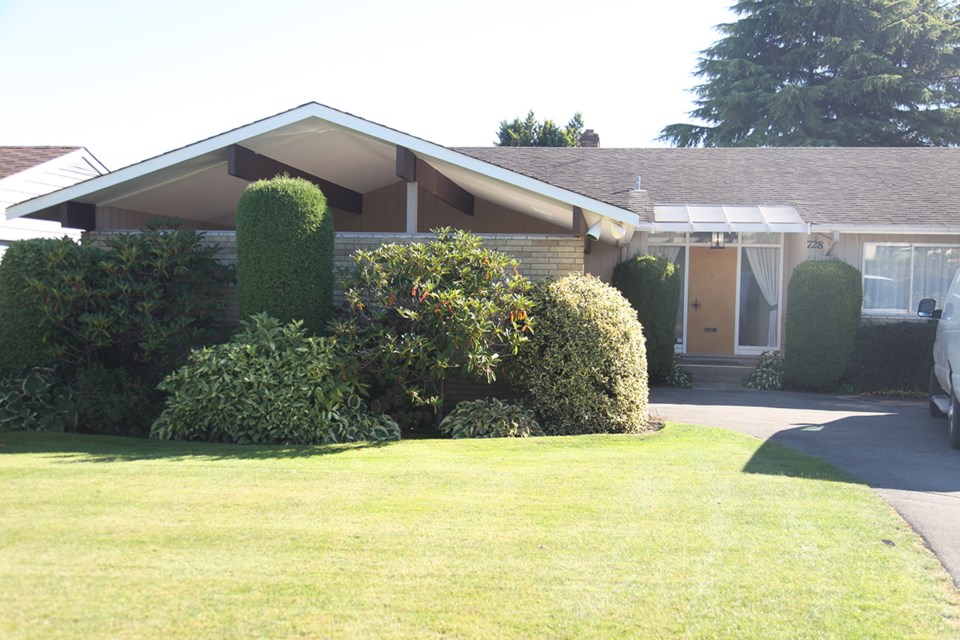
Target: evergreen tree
[530, 132]
[830, 72]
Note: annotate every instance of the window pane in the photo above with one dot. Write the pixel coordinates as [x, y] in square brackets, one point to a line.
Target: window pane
[886, 277]
[759, 238]
[706, 237]
[667, 238]
[933, 269]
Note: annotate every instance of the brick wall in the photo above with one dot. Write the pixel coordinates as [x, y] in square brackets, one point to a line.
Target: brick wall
[540, 256]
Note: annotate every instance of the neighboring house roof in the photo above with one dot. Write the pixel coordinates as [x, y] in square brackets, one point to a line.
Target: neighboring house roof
[357, 154]
[28, 172]
[16, 159]
[867, 188]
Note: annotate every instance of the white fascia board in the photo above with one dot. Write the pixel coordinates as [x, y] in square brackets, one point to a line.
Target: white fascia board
[346, 120]
[886, 229]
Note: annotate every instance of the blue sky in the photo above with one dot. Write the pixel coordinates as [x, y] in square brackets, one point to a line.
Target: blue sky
[132, 79]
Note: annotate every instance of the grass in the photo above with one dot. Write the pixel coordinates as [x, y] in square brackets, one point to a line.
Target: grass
[664, 535]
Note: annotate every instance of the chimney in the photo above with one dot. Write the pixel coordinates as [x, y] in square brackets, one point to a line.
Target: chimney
[590, 139]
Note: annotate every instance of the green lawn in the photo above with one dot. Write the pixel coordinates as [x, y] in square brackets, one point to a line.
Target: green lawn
[641, 537]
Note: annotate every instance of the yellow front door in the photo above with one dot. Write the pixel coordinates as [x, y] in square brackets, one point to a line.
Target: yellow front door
[711, 300]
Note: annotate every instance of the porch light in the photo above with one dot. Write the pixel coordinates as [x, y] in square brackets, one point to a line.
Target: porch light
[716, 240]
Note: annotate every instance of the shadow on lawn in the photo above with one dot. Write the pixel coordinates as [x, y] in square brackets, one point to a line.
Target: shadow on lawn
[72, 448]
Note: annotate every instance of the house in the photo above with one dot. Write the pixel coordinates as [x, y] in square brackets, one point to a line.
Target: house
[27, 172]
[736, 221]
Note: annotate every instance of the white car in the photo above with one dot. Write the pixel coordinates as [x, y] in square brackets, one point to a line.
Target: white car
[945, 376]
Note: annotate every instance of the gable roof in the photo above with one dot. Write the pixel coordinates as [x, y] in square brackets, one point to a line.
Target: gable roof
[338, 146]
[867, 188]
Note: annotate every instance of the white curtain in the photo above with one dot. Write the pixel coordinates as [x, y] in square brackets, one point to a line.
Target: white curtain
[886, 277]
[933, 269]
[668, 251]
[765, 264]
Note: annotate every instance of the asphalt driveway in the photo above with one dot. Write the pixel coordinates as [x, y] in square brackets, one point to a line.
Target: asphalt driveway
[892, 445]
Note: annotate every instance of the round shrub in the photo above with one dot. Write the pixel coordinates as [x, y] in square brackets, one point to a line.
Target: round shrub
[823, 303]
[584, 369]
[652, 285]
[490, 418]
[285, 252]
[22, 327]
[271, 384]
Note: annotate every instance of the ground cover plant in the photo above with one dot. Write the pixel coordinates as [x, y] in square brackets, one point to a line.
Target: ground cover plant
[686, 532]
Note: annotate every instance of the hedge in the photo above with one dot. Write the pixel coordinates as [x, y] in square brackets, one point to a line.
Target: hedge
[894, 357]
[652, 285]
[285, 252]
[823, 300]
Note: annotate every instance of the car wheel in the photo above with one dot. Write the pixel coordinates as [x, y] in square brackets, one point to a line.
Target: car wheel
[934, 389]
[953, 420]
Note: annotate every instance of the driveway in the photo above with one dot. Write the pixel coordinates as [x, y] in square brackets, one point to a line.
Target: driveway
[892, 445]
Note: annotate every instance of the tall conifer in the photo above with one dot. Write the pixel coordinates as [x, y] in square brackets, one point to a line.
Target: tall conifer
[830, 72]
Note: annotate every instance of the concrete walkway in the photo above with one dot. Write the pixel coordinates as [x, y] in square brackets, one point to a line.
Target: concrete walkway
[892, 445]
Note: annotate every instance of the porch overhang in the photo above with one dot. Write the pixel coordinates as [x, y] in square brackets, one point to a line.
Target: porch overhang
[727, 218]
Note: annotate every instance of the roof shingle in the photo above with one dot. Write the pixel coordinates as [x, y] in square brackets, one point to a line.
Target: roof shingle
[827, 185]
[16, 159]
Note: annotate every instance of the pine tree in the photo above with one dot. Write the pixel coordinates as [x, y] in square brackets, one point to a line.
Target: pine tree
[830, 72]
[530, 132]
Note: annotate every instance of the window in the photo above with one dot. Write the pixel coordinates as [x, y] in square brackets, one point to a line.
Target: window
[897, 276]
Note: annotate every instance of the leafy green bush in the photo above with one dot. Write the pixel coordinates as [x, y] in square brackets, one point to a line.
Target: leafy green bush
[118, 318]
[584, 369]
[114, 402]
[36, 400]
[285, 252]
[424, 312]
[141, 302]
[652, 285]
[271, 384]
[768, 374]
[490, 418]
[22, 333]
[894, 357]
[823, 302]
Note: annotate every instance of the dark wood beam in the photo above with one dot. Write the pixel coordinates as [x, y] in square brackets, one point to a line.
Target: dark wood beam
[406, 165]
[78, 215]
[580, 228]
[413, 169]
[250, 165]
